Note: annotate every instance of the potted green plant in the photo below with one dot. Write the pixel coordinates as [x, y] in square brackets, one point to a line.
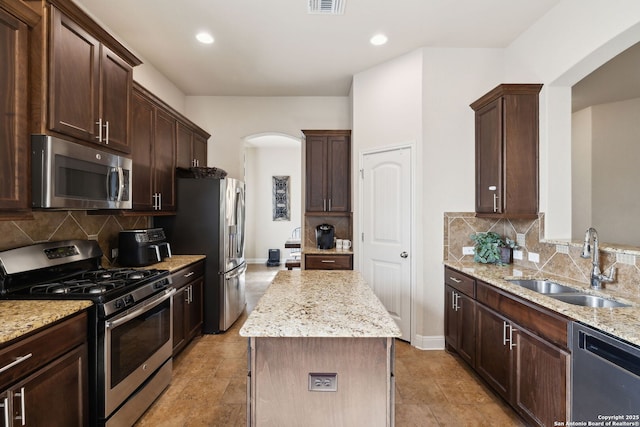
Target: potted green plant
[491, 248]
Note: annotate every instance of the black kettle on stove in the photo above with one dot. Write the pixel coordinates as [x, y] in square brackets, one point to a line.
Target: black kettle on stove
[325, 234]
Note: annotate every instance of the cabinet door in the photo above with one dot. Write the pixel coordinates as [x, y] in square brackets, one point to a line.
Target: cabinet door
[55, 395]
[467, 329]
[450, 319]
[194, 320]
[541, 380]
[164, 158]
[184, 154]
[493, 358]
[199, 149]
[316, 173]
[179, 305]
[489, 158]
[117, 82]
[339, 174]
[142, 130]
[14, 143]
[74, 78]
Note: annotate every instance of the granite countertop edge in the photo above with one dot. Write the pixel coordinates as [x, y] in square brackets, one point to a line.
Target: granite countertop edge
[618, 321]
[22, 317]
[319, 304]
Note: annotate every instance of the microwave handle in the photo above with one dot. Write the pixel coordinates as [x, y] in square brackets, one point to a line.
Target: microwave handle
[119, 185]
[120, 178]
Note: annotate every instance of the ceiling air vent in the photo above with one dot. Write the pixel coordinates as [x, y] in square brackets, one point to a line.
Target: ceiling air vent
[327, 7]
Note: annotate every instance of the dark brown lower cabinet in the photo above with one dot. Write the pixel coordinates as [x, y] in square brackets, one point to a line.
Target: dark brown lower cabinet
[460, 324]
[520, 349]
[44, 379]
[187, 304]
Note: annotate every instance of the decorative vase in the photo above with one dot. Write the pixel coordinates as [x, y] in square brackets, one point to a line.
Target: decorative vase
[506, 255]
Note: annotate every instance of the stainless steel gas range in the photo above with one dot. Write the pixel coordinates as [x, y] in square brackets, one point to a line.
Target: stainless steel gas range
[130, 323]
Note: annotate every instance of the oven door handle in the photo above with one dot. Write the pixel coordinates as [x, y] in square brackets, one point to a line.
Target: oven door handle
[147, 306]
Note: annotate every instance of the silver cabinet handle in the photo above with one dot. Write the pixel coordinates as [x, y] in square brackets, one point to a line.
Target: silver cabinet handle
[23, 416]
[453, 279]
[328, 260]
[453, 300]
[456, 303]
[106, 132]
[189, 274]
[329, 205]
[324, 205]
[505, 325]
[495, 202]
[511, 342]
[15, 362]
[404, 255]
[99, 123]
[5, 407]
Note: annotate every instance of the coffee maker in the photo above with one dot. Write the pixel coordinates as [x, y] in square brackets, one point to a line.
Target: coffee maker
[325, 234]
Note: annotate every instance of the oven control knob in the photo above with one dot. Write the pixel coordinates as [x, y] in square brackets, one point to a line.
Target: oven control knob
[128, 300]
[119, 303]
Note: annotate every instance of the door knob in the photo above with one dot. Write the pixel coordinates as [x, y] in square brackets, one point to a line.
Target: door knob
[404, 255]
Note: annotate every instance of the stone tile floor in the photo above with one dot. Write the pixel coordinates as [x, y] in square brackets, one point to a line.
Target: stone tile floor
[433, 388]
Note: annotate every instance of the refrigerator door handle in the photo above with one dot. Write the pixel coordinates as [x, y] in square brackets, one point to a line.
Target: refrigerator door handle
[237, 272]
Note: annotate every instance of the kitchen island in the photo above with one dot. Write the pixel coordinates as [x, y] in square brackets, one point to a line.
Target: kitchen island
[321, 352]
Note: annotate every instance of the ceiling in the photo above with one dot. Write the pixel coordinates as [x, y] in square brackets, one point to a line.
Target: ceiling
[275, 48]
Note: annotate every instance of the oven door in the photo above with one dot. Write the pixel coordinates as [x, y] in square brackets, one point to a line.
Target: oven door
[137, 343]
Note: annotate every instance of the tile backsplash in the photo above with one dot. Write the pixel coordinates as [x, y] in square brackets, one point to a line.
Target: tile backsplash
[558, 258]
[49, 226]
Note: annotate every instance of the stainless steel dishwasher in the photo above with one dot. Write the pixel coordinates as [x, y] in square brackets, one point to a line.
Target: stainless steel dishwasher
[605, 378]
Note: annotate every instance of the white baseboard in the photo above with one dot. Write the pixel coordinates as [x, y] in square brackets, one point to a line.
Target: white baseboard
[256, 260]
[423, 342]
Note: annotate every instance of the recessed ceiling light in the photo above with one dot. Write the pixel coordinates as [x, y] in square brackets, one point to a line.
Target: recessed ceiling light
[205, 38]
[378, 39]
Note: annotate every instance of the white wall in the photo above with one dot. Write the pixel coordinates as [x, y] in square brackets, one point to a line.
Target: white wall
[262, 232]
[566, 44]
[423, 98]
[231, 119]
[615, 147]
[581, 161]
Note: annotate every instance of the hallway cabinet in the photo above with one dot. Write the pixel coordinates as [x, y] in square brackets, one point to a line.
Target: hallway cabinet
[328, 171]
[506, 122]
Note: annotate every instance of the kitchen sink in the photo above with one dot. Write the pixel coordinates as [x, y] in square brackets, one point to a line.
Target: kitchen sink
[588, 300]
[543, 286]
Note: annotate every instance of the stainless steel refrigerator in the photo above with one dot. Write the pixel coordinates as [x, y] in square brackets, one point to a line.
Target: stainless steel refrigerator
[210, 221]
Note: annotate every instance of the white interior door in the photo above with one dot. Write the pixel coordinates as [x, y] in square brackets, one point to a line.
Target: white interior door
[386, 226]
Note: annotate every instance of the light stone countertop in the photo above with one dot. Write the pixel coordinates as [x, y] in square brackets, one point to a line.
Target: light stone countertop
[312, 250]
[622, 322]
[176, 262]
[20, 317]
[319, 303]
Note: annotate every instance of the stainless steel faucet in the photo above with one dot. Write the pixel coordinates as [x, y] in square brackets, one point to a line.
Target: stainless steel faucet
[597, 278]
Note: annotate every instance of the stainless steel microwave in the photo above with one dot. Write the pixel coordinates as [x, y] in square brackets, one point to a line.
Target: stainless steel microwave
[66, 175]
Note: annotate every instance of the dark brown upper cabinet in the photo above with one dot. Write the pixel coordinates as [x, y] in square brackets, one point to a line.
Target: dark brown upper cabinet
[15, 19]
[192, 147]
[83, 79]
[506, 125]
[328, 171]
